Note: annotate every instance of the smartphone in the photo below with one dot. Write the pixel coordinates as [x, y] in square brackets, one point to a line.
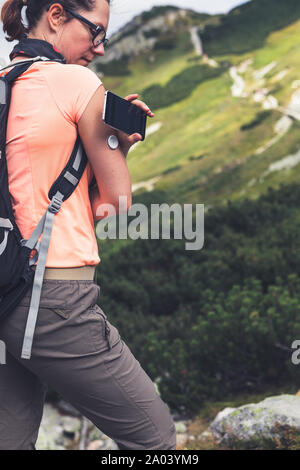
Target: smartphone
[123, 115]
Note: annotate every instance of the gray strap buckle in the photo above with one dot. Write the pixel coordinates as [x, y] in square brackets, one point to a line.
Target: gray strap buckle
[8, 227]
[55, 204]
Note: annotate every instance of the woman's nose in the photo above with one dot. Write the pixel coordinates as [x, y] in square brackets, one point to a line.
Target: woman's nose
[99, 50]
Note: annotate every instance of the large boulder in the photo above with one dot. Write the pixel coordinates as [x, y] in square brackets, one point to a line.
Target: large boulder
[265, 425]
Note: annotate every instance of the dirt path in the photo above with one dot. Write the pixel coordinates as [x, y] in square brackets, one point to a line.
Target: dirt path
[196, 40]
[238, 87]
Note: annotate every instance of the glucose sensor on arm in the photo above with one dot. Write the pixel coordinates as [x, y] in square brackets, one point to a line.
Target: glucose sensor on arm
[113, 142]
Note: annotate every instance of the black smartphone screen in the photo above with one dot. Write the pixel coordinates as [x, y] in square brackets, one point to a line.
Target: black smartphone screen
[123, 115]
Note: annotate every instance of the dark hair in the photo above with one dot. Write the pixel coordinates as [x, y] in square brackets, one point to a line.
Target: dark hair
[12, 18]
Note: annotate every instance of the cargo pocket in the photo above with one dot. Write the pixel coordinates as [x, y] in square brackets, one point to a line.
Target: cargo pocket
[62, 313]
[99, 328]
[57, 317]
[112, 335]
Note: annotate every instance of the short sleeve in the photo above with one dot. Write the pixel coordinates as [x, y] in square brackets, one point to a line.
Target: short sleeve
[72, 87]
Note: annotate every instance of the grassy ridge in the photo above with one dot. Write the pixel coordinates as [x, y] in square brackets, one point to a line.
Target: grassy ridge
[209, 122]
[247, 27]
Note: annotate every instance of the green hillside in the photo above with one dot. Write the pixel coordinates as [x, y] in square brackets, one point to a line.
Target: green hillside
[205, 149]
[248, 26]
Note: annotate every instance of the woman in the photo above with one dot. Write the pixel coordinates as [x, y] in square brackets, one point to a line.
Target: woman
[76, 350]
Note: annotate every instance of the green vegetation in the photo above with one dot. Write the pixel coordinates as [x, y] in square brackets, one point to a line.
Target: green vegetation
[166, 42]
[260, 117]
[200, 321]
[151, 33]
[248, 26]
[180, 86]
[157, 11]
[162, 10]
[117, 68]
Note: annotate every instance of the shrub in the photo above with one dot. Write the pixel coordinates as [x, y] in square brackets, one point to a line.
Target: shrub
[260, 117]
[180, 86]
[115, 67]
[210, 323]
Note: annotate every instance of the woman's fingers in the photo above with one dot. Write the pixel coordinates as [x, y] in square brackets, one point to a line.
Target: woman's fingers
[134, 138]
[133, 99]
[128, 140]
[143, 106]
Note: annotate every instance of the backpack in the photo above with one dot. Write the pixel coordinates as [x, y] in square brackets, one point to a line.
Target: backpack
[16, 274]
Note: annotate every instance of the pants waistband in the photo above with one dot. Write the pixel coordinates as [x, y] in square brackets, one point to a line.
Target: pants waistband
[82, 273]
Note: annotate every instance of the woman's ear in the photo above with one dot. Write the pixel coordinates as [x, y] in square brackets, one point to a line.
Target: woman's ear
[56, 16]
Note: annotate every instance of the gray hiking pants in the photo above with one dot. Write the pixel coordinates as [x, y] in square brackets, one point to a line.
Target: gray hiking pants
[80, 354]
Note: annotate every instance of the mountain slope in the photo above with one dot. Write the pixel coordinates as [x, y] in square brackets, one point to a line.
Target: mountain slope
[247, 27]
[221, 122]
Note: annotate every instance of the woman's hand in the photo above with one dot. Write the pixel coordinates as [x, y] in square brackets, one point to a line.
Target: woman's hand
[126, 141]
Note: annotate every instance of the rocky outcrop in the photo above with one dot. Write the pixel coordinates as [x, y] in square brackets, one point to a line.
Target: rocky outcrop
[138, 35]
[258, 425]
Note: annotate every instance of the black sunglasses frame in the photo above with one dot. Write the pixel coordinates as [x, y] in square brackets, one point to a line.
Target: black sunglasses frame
[95, 29]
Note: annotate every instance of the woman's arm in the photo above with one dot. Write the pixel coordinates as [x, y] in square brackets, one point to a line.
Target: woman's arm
[109, 166]
[95, 202]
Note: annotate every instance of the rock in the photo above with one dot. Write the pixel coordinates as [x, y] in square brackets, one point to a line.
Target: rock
[181, 440]
[57, 432]
[98, 438]
[257, 424]
[207, 434]
[50, 435]
[180, 427]
[225, 412]
[95, 445]
[112, 445]
[94, 433]
[71, 426]
[259, 74]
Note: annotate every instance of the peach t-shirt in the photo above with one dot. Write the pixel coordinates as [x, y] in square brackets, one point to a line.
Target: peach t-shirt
[47, 103]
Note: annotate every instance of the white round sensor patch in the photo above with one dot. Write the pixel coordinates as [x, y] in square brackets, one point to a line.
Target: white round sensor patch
[113, 142]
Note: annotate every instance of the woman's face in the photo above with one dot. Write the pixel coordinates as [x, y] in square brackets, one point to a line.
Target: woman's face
[74, 38]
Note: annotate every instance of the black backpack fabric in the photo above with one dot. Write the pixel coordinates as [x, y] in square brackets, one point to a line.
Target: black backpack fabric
[16, 274]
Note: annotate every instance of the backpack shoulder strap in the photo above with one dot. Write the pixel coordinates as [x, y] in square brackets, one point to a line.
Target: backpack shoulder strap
[61, 190]
[6, 82]
[69, 178]
[26, 63]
